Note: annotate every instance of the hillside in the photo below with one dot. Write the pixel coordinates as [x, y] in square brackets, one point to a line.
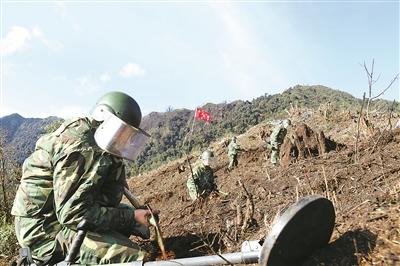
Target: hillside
[169, 129]
[365, 193]
[20, 134]
[364, 185]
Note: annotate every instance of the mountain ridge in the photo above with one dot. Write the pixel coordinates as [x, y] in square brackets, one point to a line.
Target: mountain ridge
[171, 130]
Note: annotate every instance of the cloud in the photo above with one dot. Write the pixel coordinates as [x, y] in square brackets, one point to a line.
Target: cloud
[16, 40]
[51, 44]
[105, 77]
[131, 70]
[19, 38]
[86, 85]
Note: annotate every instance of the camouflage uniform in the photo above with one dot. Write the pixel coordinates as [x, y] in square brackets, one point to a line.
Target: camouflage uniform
[233, 149]
[275, 140]
[202, 181]
[66, 179]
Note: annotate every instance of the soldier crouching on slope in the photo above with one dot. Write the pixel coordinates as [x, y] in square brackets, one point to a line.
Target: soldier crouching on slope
[276, 138]
[201, 183]
[76, 173]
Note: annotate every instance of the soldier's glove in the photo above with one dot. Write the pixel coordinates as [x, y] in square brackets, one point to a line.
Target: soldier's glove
[141, 230]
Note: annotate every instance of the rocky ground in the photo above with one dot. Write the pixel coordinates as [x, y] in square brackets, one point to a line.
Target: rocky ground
[362, 180]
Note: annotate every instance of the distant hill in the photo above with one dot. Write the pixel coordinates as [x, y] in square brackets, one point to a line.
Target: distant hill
[169, 129]
[20, 134]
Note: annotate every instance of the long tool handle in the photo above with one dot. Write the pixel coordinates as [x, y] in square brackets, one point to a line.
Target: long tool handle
[153, 220]
[132, 199]
[82, 227]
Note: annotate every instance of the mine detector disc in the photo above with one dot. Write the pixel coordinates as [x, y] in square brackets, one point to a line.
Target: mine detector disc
[304, 227]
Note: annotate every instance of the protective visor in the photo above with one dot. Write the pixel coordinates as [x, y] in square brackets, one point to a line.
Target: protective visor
[116, 137]
[212, 162]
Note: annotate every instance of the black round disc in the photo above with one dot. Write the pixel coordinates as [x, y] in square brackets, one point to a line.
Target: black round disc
[304, 227]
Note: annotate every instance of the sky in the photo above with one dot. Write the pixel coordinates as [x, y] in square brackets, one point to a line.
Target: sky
[59, 57]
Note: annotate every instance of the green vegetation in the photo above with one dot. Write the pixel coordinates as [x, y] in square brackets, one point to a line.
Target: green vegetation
[170, 128]
[8, 243]
[9, 176]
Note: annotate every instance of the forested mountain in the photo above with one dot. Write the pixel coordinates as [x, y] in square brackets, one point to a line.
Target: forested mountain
[169, 129]
[19, 134]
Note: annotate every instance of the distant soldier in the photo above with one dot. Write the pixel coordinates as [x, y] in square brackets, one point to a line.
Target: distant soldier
[233, 149]
[200, 183]
[276, 138]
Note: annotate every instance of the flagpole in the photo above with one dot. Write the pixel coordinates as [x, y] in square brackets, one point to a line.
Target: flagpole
[190, 136]
[191, 130]
[186, 151]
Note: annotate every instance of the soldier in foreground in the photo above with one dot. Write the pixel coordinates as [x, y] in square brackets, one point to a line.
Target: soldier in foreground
[201, 183]
[76, 173]
[276, 138]
[233, 149]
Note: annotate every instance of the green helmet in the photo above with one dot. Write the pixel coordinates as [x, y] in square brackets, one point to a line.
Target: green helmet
[120, 116]
[123, 106]
[208, 158]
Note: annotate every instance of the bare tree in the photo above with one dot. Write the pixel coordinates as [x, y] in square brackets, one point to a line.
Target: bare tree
[372, 81]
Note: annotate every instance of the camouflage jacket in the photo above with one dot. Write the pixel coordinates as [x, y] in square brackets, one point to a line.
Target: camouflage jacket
[233, 148]
[202, 181]
[278, 133]
[68, 178]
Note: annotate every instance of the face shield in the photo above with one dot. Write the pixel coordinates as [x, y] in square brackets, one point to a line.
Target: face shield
[116, 137]
[212, 162]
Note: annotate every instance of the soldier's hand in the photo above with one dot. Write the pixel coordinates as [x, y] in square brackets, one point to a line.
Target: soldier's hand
[142, 216]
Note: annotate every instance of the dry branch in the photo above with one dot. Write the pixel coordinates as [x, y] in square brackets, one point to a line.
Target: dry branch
[358, 131]
[248, 217]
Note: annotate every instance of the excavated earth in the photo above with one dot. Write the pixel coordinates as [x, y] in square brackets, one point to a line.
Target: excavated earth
[361, 178]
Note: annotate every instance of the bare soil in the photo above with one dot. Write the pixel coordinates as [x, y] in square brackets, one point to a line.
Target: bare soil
[364, 186]
[361, 178]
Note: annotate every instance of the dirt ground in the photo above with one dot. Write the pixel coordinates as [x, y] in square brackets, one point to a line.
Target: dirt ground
[363, 183]
[361, 178]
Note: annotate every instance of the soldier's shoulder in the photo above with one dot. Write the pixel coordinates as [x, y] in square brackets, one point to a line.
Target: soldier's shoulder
[75, 130]
[198, 166]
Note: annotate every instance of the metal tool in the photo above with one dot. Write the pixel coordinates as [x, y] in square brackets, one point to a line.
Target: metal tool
[153, 220]
[302, 228]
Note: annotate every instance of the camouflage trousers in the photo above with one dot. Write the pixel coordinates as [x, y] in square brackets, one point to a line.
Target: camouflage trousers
[233, 162]
[97, 247]
[274, 147]
[194, 194]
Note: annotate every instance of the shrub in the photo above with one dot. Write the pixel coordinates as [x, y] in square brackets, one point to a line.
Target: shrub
[8, 244]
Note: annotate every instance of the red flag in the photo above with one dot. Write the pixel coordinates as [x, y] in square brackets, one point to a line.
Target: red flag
[202, 115]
